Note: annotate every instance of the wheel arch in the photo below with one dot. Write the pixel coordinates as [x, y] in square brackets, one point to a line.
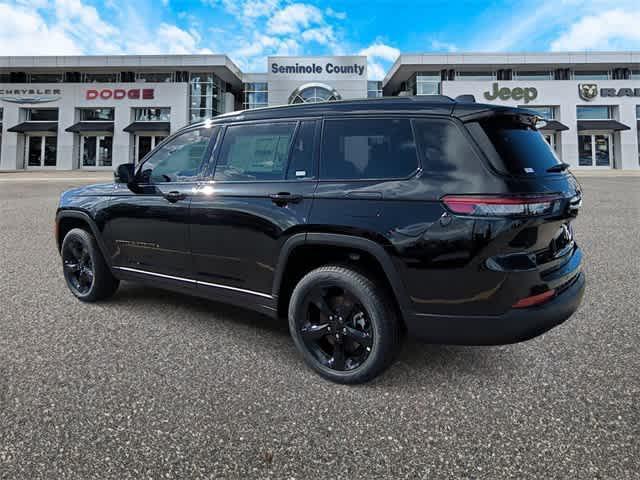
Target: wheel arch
[66, 220]
[313, 242]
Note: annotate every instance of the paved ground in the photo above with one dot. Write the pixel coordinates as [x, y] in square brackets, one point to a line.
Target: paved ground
[159, 385]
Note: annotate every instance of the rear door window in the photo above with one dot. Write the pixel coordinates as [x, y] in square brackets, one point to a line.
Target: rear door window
[255, 152]
[356, 149]
[514, 148]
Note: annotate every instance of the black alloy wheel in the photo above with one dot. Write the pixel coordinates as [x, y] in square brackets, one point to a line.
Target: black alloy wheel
[337, 329]
[87, 274]
[343, 323]
[77, 264]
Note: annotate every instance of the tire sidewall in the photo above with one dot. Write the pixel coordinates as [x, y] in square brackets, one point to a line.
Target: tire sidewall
[86, 238]
[376, 312]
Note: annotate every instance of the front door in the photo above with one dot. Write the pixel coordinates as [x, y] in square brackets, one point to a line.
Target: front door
[261, 194]
[146, 226]
[41, 151]
[595, 150]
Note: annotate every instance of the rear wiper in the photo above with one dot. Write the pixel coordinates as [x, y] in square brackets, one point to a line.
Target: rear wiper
[559, 167]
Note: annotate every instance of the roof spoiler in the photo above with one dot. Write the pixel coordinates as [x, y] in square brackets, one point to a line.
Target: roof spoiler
[519, 115]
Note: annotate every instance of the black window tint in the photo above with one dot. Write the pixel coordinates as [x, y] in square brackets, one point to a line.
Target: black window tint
[301, 160]
[444, 148]
[375, 148]
[255, 152]
[179, 159]
[515, 148]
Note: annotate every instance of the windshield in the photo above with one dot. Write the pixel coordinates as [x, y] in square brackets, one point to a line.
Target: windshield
[515, 148]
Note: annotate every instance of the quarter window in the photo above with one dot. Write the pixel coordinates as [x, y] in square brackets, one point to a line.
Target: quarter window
[368, 149]
[255, 152]
[178, 160]
[443, 147]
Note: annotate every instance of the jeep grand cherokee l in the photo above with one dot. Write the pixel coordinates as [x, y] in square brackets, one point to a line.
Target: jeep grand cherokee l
[356, 220]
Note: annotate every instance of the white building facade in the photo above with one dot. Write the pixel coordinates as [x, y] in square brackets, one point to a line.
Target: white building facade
[97, 112]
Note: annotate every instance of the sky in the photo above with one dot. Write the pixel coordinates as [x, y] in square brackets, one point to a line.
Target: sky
[250, 30]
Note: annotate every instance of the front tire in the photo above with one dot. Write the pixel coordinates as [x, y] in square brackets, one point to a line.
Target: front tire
[85, 270]
[344, 325]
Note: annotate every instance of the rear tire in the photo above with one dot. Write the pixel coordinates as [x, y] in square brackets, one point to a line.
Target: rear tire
[344, 324]
[87, 274]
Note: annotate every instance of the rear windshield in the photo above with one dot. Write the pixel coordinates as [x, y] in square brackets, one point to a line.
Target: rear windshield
[515, 148]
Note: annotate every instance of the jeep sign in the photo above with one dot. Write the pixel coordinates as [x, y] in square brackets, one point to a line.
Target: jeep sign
[516, 93]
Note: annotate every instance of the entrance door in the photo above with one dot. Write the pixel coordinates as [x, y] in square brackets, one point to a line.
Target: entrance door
[41, 151]
[595, 150]
[146, 143]
[96, 150]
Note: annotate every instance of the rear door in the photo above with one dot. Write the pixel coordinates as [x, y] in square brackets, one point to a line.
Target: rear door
[258, 195]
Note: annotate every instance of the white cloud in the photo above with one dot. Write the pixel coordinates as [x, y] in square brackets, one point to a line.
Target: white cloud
[321, 35]
[379, 56]
[613, 29]
[25, 32]
[439, 46]
[332, 13]
[380, 50]
[293, 18]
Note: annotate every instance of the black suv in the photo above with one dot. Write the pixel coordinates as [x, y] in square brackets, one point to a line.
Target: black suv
[357, 220]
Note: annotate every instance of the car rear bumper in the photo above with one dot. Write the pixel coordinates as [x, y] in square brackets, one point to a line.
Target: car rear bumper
[514, 326]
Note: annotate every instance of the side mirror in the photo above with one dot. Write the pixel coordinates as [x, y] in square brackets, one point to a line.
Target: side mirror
[124, 173]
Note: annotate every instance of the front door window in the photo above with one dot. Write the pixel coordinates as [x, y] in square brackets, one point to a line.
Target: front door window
[96, 151]
[595, 150]
[42, 151]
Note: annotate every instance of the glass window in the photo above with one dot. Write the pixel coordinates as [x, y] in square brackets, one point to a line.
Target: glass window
[515, 148]
[105, 77]
[374, 89]
[1, 112]
[301, 160]
[478, 75]
[42, 114]
[591, 75]
[548, 113]
[256, 95]
[594, 112]
[96, 114]
[152, 114]
[534, 75]
[425, 83]
[443, 146]
[50, 151]
[314, 94]
[373, 148]
[206, 96]
[634, 75]
[255, 152]
[637, 112]
[178, 160]
[157, 77]
[45, 77]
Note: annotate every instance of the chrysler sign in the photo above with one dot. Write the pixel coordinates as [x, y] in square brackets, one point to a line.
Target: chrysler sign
[30, 95]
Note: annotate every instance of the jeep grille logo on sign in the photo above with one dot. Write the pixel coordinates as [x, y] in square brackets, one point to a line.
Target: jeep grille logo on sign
[120, 93]
[588, 91]
[517, 93]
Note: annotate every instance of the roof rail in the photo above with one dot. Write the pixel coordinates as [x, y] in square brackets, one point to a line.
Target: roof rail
[430, 98]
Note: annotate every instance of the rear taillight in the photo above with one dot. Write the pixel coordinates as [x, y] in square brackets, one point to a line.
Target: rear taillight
[501, 205]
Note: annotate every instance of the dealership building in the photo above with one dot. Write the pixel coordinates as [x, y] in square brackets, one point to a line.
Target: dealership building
[94, 112]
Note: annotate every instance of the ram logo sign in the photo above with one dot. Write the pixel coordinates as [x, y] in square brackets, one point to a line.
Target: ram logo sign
[587, 91]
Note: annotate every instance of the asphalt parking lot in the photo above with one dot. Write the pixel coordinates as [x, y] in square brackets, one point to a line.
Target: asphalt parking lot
[157, 385]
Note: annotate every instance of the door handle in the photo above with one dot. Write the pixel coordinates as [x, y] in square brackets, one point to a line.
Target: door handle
[282, 198]
[174, 196]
